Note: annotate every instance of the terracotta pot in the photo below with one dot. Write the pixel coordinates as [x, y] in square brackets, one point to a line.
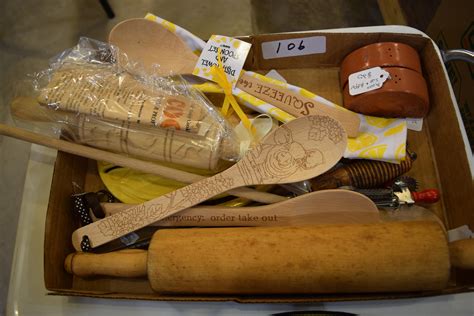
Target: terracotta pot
[404, 94]
[386, 54]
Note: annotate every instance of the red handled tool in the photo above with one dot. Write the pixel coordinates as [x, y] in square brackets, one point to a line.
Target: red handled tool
[426, 196]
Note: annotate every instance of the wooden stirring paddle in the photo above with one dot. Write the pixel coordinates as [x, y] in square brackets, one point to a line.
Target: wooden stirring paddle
[28, 109]
[315, 208]
[299, 150]
[152, 44]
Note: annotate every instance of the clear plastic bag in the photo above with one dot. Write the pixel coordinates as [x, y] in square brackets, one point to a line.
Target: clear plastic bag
[92, 94]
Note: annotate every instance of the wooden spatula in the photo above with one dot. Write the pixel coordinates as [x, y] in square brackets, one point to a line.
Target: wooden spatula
[321, 207]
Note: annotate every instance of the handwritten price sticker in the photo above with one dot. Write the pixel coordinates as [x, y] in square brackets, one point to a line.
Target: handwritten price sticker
[233, 55]
[415, 124]
[294, 47]
[367, 80]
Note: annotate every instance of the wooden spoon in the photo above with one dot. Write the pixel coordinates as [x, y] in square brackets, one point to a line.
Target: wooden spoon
[143, 41]
[296, 151]
[315, 208]
[151, 44]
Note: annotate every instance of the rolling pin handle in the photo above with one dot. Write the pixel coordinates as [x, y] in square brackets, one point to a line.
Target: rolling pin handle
[131, 263]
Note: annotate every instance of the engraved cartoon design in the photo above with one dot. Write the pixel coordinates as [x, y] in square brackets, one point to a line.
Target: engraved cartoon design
[283, 156]
[324, 126]
[281, 159]
[284, 153]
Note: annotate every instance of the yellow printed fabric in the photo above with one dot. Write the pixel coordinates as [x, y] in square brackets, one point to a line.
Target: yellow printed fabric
[385, 143]
[379, 138]
[261, 106]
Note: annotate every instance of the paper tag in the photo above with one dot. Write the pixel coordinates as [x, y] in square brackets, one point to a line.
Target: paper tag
[462, 232]
[367, 80]
[294, 47]
[273, 74]
[233, 55]
[415, 124]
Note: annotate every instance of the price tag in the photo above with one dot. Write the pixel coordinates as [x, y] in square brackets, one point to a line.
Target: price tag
[367, 80]
[275, 75]
[294, 47]
[415, 124]
[233, 55]
[462, 232]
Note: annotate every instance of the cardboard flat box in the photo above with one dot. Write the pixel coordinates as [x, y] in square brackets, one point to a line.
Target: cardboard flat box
[442, 163]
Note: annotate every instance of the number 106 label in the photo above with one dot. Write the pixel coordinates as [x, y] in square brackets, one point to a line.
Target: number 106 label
[294, 47]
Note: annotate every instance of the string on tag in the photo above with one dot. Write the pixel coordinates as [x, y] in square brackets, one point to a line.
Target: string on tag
[230, 103]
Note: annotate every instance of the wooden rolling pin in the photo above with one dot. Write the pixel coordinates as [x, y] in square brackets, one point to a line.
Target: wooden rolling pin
[26, 108]
[382, 257]
[108, 93]
[137, 140]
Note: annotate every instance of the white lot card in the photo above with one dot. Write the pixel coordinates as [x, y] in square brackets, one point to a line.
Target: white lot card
[294, 47]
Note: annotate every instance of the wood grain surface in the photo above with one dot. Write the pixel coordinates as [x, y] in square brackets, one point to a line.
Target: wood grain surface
[296, 151]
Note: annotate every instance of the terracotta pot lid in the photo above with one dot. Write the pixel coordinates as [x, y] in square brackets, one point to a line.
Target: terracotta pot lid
[385, 54]
[404, 94]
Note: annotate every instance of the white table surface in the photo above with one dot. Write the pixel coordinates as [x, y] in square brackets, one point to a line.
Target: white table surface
[28, 295]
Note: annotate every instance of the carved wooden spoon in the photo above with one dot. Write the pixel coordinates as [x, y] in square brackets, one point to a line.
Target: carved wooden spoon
[152, 44]
[299, 150]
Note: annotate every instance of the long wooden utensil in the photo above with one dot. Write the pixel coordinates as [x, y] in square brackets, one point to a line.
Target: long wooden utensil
[321, 207]
[351, 258]
[152, 44]
[27, 108]
[296, 151]
[124, 161]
